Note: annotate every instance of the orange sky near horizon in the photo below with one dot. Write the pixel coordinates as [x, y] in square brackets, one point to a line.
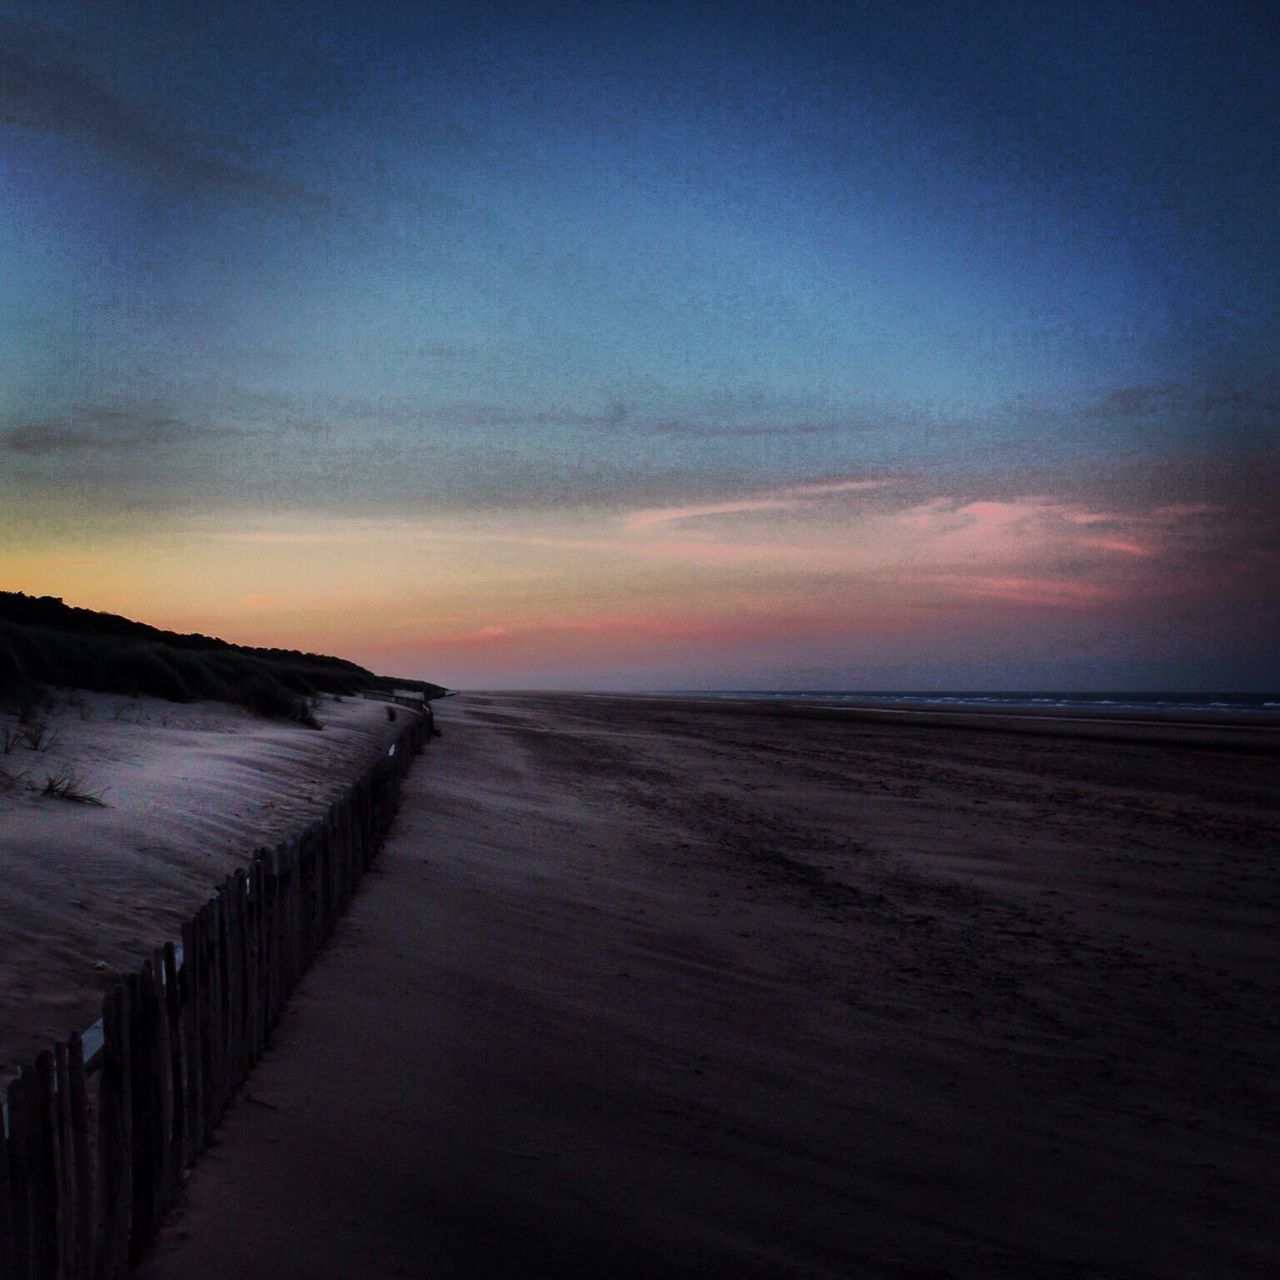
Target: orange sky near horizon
[869, 345]
[852, 569]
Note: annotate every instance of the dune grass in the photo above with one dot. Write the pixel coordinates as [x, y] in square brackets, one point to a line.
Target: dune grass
[65, 783]
[45, 642]
[32, 658]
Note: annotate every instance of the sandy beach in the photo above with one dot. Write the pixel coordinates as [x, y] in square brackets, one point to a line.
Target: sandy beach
[188, 791]
[646, 988]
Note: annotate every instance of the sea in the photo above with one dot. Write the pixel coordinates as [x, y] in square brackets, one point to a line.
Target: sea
[1238, 707]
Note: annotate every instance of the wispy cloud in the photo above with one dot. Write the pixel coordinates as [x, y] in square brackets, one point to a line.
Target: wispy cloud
[1259, 400]
[1053, 592]
[322, 414]
[739, 431]
[53, 96]
[629, 629]
[107, 429]
[1022, 529]
[1038, 550]
[731, 507]
[785, 498]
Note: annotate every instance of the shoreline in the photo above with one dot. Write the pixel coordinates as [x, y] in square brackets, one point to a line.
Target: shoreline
[1169, 728]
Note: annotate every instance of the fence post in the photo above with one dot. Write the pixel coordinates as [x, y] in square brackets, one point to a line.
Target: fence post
[235, 981]
[270, 939]
[78, 1095]
[324, 883]
[177, 1043]
[176, 1071]
[8, 1266]
[67, 1198]
[262, 879]
[205, 1017]
[301, 899]
[307, 899]
[284, 939]
[189, 987]
[114, 1191]
[20, 1172]
[162, 1082]
[244, 1050]
[141, 1038]
[44, 1226]
[342, 846]
[253, 962]
[222, 1007]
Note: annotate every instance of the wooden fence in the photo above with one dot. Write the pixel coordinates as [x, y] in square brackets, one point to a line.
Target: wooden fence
[86, 1174]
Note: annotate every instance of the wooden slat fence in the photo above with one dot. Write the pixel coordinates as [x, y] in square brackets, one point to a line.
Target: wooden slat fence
[86, 1174]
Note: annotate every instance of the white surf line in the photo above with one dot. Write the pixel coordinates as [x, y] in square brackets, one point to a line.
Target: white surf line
[989, 713]
[978, 712]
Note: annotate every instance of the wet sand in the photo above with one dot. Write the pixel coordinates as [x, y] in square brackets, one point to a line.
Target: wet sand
[642, 987]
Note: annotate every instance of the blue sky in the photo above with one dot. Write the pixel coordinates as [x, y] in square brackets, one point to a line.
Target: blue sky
[468, 272]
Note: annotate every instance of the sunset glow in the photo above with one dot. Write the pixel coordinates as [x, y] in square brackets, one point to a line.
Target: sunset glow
[514, 347]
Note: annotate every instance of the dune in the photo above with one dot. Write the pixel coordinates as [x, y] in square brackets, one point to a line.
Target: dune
[165, 799]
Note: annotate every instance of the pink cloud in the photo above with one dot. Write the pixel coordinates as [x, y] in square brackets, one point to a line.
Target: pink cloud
[1124, 545]
[1025, 529]
[1092, 517]
[786, 498]
[1018, 550]
[1055, 592]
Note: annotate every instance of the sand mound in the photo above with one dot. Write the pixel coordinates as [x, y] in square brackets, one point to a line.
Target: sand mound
[171, 798]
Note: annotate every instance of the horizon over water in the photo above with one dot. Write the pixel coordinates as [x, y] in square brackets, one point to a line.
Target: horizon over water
[1233, 705]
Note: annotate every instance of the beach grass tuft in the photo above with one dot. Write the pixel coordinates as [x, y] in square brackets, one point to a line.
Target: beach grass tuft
[65, 783]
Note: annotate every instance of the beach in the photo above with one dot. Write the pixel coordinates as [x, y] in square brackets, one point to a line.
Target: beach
[173, 797]
[647, 987]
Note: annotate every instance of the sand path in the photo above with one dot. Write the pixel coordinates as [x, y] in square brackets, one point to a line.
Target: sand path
[639, 989]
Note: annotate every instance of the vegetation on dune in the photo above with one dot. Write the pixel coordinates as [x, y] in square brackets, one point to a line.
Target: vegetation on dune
[45, 642]
[66, 784]
[31, 657]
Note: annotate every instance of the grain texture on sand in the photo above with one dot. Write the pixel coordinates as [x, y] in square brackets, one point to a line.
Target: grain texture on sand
[188, 792]
[641, 988]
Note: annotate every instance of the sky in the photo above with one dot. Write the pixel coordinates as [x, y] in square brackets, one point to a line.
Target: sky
[857, 345]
